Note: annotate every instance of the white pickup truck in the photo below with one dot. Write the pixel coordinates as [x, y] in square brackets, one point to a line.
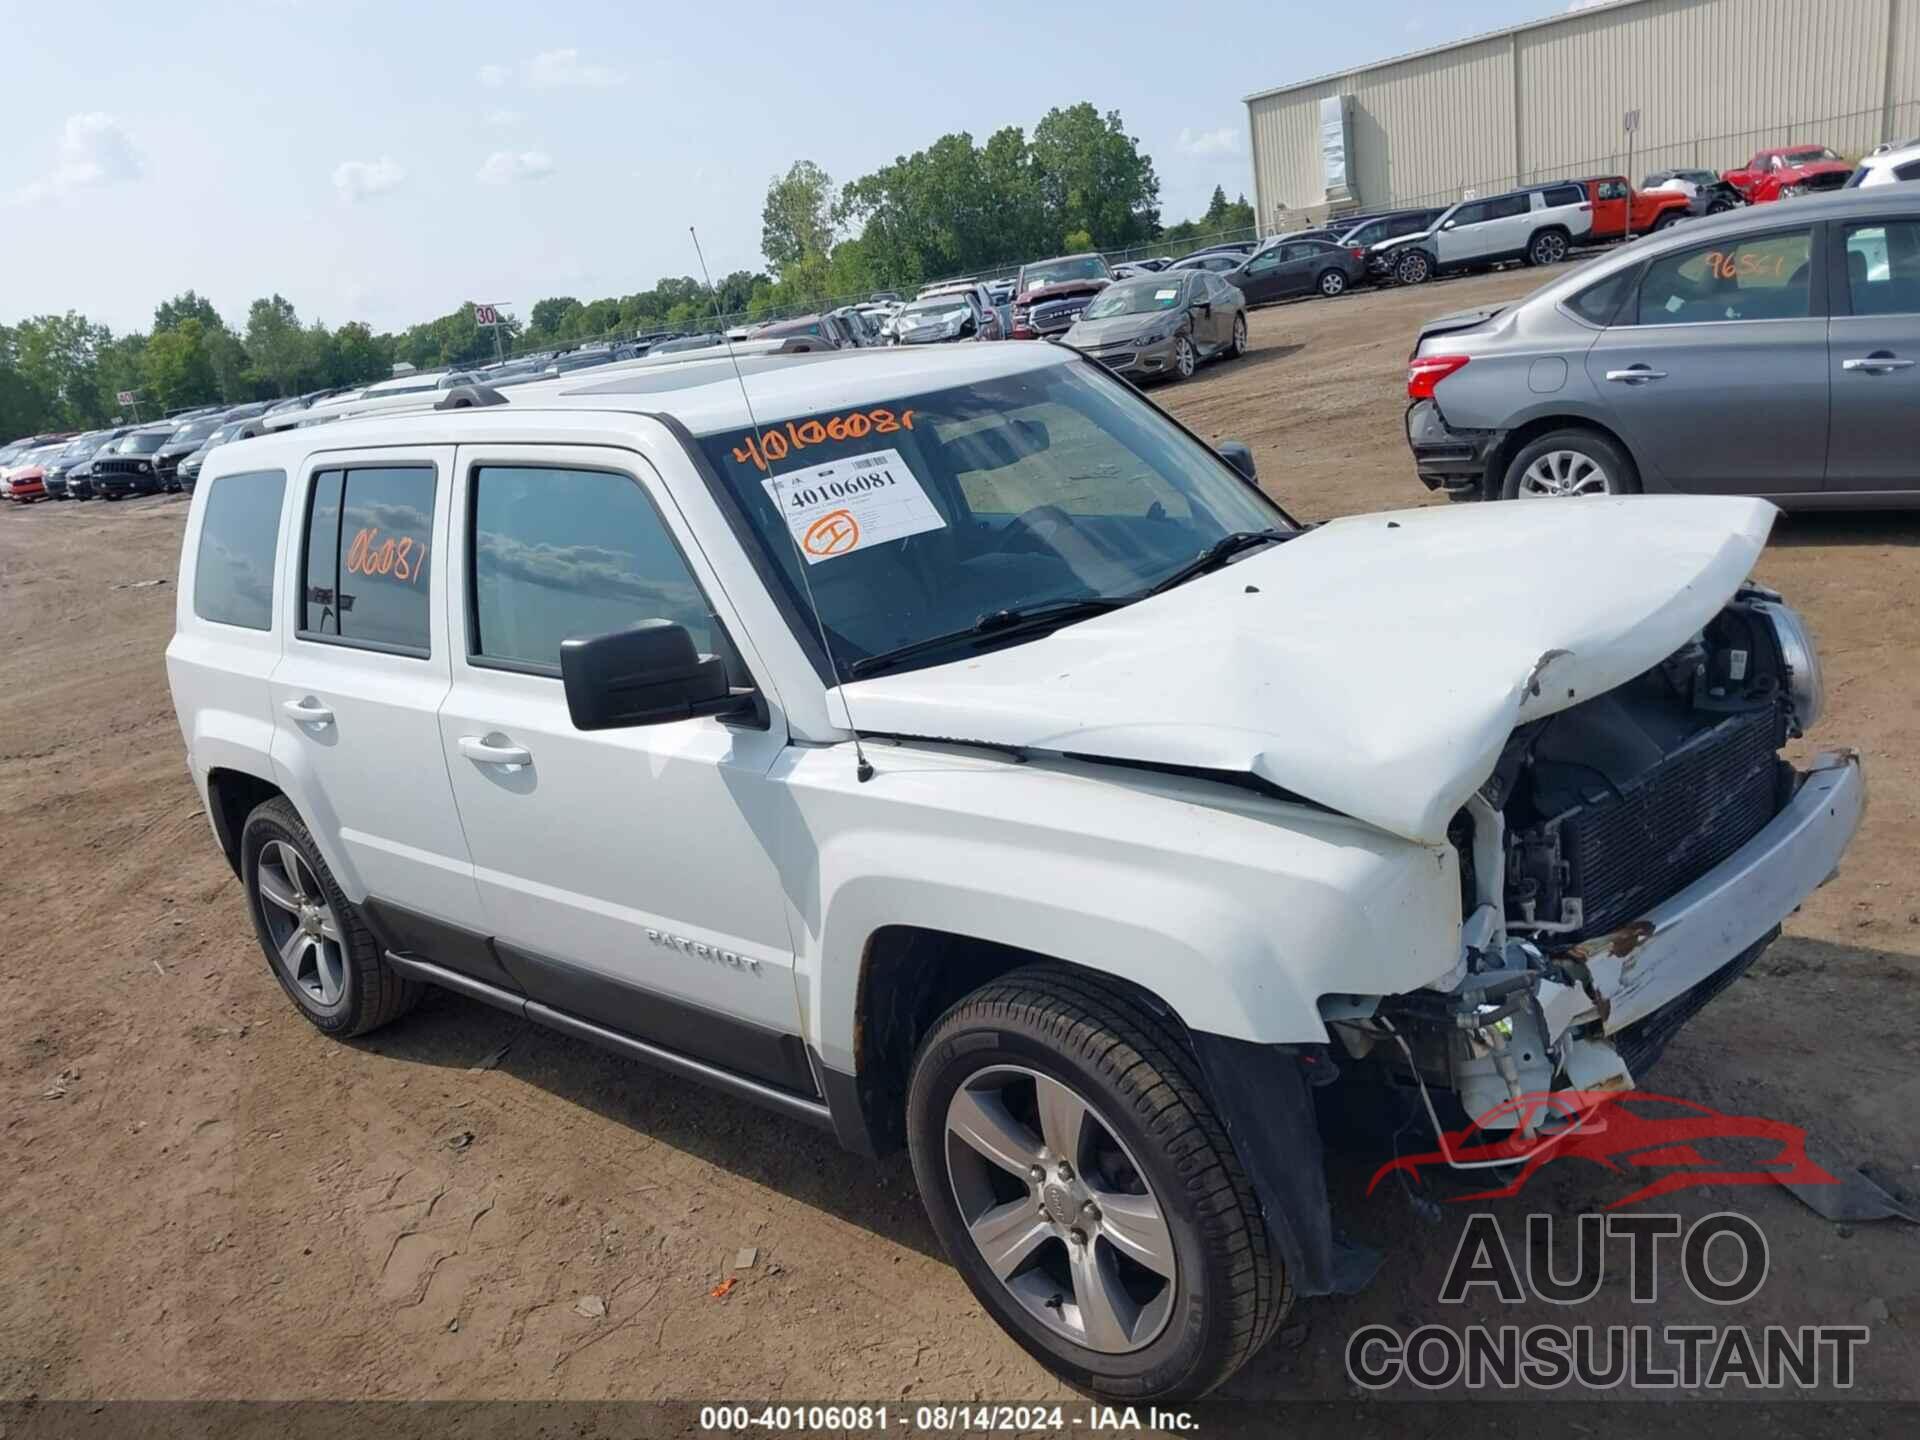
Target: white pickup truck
[945, 747]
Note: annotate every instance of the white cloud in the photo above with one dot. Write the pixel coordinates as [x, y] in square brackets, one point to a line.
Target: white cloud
[502, 119]
[94, 150]
[1588, 4]
[357, 179]
[553, 70]
[1224, 141]
[564, 70]
[504, 167]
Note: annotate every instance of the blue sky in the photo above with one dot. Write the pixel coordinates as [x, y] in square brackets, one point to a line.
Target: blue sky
[387, 161]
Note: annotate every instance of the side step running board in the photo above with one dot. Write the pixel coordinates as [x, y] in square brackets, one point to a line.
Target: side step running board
[798, 1107]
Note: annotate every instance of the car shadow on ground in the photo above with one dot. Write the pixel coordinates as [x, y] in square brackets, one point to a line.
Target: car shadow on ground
[1848, 527]
[1252, 360]
[454, 1033]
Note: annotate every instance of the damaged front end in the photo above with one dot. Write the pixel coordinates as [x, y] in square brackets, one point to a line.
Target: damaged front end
[1629, 857]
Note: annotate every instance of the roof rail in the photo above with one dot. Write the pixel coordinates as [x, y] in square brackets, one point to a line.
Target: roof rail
[467, 397]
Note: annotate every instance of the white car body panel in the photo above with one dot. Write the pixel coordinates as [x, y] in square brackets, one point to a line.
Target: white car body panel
[1252, 669]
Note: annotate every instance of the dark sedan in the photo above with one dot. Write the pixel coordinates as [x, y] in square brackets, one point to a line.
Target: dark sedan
[126, 467]
[1148, 326]
[77, 451]
[1298, 267]
[182, 443]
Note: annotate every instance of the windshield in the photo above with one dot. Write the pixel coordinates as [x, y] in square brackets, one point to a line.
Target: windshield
[224, 433]
[1054, 272]
[1809, 155]
[83, 447]
[195, 430]
[938, 307]
[1139, 299]
[142, 442]
[924, 513]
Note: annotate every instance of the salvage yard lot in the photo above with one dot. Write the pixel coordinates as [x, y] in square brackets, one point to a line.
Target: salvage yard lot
[207, 1198]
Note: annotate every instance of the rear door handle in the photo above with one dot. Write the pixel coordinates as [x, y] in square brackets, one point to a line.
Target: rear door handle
[308, 711]
[1876, 364]
[491, 750]
[1635, 374]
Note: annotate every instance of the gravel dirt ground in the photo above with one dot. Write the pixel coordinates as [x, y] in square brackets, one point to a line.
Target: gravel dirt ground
[205, 1198]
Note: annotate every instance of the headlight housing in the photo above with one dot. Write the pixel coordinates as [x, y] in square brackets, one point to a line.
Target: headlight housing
[1154, 339]
[1806, 686]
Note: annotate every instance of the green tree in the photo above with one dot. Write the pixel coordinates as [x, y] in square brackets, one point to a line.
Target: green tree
[544, 318]
[279, 347]
[184, 306]
[1093, 177]
[360, 356]
[797, 219]
[179, 366]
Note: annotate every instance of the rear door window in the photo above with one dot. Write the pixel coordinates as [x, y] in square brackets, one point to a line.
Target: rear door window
[1883, 267]
[1766, 277]
[369, 534]
[239, 536]
[1506, 207]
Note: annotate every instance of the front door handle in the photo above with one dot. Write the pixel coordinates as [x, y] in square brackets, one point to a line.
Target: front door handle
[308, 711]
[1634, 374]
[493, 750]
[1876, 364]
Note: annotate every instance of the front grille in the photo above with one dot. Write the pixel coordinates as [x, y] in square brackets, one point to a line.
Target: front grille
[1058, 315]
[1672, 825]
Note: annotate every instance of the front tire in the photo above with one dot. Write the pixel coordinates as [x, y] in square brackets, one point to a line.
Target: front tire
[1413, 268]
[1569, 464]
[1084, 1188]
[315, 942]
[1185, 358]
[1238, 347]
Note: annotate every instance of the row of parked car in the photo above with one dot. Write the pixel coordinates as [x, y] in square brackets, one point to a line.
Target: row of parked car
[125, 460]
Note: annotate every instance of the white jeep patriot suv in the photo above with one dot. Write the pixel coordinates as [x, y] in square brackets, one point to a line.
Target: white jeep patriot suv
[1161, 812]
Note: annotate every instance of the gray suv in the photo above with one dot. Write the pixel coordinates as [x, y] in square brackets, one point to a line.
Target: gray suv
[1770, 352]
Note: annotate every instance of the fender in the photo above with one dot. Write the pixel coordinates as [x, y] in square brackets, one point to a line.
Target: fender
[1238, 910]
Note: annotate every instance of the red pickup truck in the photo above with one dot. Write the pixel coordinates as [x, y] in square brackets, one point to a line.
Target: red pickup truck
[1790, 170]
[1619, 210]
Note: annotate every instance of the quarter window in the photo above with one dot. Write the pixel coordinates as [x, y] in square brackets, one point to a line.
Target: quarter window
[239, 535]
[1600, 302]
[1883, 268]
[1573, 195]
[369, 534]
[560, 554]
[1764, 278]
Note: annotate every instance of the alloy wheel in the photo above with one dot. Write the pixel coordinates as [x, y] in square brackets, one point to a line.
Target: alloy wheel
[1058, 1209]
[304, 931]
[1413, 269]
[1562, 473]
[1332, 283]
[1239, 335]
[1184, 359]
[1549, 250]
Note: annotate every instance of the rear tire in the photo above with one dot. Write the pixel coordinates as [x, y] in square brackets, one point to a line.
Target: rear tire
[1060, 1122]
[315, 942]
[1570, 463]
[1549, 247]
[1332, 283]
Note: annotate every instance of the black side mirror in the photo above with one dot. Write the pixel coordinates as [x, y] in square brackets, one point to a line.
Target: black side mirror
[646, 674]
[1236, 454]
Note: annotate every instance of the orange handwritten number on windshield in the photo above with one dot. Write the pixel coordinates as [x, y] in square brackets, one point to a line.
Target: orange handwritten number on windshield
[798, 435]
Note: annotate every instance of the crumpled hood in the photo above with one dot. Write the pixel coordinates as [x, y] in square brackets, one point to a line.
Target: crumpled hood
[1375, 665]
[1110, 328]
[1059, 290]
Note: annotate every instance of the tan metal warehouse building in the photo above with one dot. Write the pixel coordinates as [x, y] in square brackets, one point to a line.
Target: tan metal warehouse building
[1711, 81]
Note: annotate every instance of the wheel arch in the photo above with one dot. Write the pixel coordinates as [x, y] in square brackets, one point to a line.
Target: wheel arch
[232, 795]
[1524, 434]
[911, 975]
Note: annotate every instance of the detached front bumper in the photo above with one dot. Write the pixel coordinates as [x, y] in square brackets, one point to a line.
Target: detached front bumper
[1445, 458]
[1686, 939]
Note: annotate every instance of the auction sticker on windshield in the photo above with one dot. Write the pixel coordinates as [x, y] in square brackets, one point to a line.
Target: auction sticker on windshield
[852, 503]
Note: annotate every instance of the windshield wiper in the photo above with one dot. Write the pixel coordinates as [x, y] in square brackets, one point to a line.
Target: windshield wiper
[1218, 554]
[993, 625]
